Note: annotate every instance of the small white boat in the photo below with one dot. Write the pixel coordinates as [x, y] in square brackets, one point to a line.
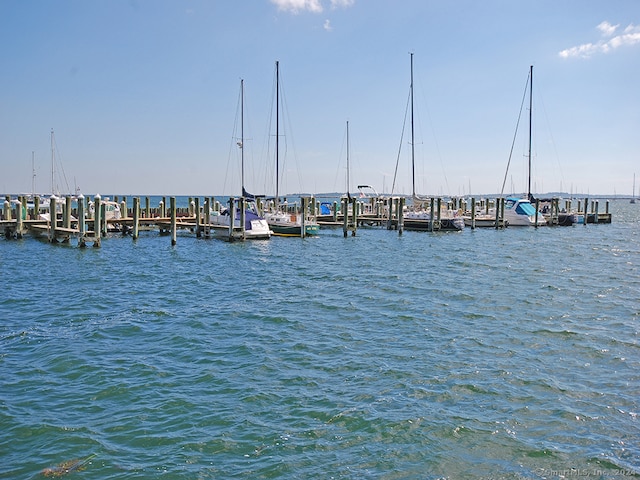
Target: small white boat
[255, 226]
[520, 212]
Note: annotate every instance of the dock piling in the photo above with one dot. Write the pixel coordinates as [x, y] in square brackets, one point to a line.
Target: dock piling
[174, 229]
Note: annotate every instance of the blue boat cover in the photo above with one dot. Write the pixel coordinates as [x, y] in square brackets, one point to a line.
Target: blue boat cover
[525, 208]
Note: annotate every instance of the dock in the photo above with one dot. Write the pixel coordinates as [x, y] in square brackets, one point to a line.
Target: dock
[87, 220]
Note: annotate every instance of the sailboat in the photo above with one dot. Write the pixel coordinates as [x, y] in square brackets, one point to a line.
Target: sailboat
[521, 211]
[255, 226]
[633, 194]
[418, 217]
[282, 222]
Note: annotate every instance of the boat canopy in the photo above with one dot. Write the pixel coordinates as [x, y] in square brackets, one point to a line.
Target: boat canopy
[525, 208]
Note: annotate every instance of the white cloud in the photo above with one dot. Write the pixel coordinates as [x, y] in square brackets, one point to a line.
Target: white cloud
[327, 25]
[313, 6]
[342, 3]
[610, 42]
[297, 6]
[607, 29]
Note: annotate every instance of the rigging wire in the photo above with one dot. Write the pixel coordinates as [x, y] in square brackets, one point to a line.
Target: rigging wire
[515, 134]
[404, 124]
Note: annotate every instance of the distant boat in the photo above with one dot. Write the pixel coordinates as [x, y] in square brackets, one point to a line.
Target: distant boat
[633, 194]
[418, 215]
[282, 222]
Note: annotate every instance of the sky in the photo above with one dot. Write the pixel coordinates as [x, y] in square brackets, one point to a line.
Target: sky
[143, 96]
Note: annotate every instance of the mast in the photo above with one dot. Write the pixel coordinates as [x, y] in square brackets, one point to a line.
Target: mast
[53, 163]
[277, 128]
[413, 167]
[530, 117]
[242, 133]
[348, 194]
[33, 174]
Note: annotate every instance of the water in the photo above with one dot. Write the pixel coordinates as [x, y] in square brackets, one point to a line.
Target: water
[481, 354]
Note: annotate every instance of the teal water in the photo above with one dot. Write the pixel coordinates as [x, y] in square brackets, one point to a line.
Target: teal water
[480, 354]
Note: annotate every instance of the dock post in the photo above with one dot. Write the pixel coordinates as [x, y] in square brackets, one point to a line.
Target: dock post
[345, 216]
[67, 217]
[606, 207]
[439, 216]
[7, 210]
[97, 220]
[232, 216]
[18, 204]
[401, 201]
[207, 217]
[595, 213]
[473, 213]
[431, 213]
[82, 223]
[103, 223]
[537, 212]
[196, 212]
[304, 202]
[174, 227]
[498, 216]
[53, 218]
[36, 208]
[335, 212]
[147, 207]
[586, 210]
[136, 217]
[243, 217]
[354, 213]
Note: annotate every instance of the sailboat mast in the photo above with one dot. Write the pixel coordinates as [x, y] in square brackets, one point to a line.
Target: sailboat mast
[277, 128]
[530, 117]
[53, 163]
[413, 167]
[242, 133]
[33, 174]
[348, 194]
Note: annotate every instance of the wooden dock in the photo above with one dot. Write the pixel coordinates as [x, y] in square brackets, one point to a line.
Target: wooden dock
[18, 218]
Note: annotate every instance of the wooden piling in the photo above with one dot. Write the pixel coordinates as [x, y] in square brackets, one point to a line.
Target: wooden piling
[586, 212]
[473, 213]
[243, 218]
[431, 214]
[7, 210]
[207, 217]
[174, 227]
[304, 201]
[97, 220]
[82, 222]
[53, 218]
[197, 213]
[18, 233]
[345, 216]
[136, 218]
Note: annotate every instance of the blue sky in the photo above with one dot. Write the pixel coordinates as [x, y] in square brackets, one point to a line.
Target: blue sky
[143, 95]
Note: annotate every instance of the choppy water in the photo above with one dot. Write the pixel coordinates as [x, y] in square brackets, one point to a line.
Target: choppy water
[480, 354]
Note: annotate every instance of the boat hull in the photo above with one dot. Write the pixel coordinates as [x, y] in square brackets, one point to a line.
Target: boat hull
[294, 230]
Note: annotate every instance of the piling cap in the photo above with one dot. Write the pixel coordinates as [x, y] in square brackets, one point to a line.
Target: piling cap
[97, 197]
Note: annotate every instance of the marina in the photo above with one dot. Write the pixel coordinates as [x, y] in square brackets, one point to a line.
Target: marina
[88, 220]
